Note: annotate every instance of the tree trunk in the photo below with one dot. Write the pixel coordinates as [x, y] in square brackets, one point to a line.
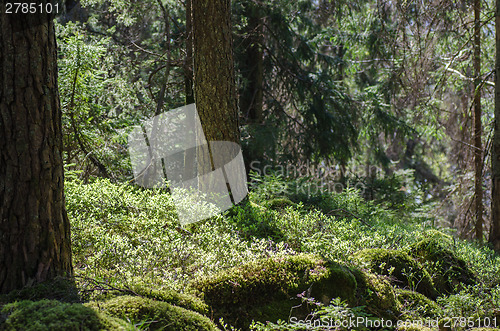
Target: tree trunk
[214, 84]
[478, 150]
[251, 100]
[495, 153]
[34, 228]
[188, 65]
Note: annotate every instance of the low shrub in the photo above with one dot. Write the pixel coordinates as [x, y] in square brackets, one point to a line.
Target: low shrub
[62, 289]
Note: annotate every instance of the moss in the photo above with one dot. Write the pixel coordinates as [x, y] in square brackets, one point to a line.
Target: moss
[279, 203]
[449, 272]
[404, 270]
[266, 290]
[55, 315]
[415, 305]
[155, 314]
[62, 289]
[183, 300]
[376, 294]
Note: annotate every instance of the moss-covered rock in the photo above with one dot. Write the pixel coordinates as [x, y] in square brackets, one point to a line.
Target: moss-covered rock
[55, 315]
[62, 289]
[279, 203]
[266, 290]
[415, 305]
[449, 272]
[154, 314]
[183, 300]
[402, 269]
[376, 294]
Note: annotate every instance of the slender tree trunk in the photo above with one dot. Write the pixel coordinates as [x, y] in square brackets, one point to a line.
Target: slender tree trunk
[188, 66]
[189, 155]
[251, 100]
[34, 228]
[252, 93]
[495, 154]
[478, 150]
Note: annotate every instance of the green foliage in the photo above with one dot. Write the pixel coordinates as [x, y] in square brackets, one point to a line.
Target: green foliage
[125, 241]
[302, 95]
[156, 315]
[473, 302]
[54, 315]
[124, 235]
[91, 132]
[337, 312]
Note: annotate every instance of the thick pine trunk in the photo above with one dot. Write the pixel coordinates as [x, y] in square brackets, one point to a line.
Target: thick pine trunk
[34, 227]
[495, 154]
[478, 150]
[214, 85]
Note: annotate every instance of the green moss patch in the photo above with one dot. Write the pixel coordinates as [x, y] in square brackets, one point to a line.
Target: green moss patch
[266, 290]
[377, 294]
[449, 272]
[54, 315]
[279, 203]
[403, 270]
[415, 305]
[156, 315]
[183, 300]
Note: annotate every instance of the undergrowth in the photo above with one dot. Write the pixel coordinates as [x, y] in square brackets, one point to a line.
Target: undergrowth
[127, 240]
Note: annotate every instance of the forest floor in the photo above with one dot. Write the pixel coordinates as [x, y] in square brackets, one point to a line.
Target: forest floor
[287, 261]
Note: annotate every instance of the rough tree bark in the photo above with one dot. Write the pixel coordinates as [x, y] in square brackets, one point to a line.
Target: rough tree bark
[34, 228]
[495, 153]
[214, 84]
